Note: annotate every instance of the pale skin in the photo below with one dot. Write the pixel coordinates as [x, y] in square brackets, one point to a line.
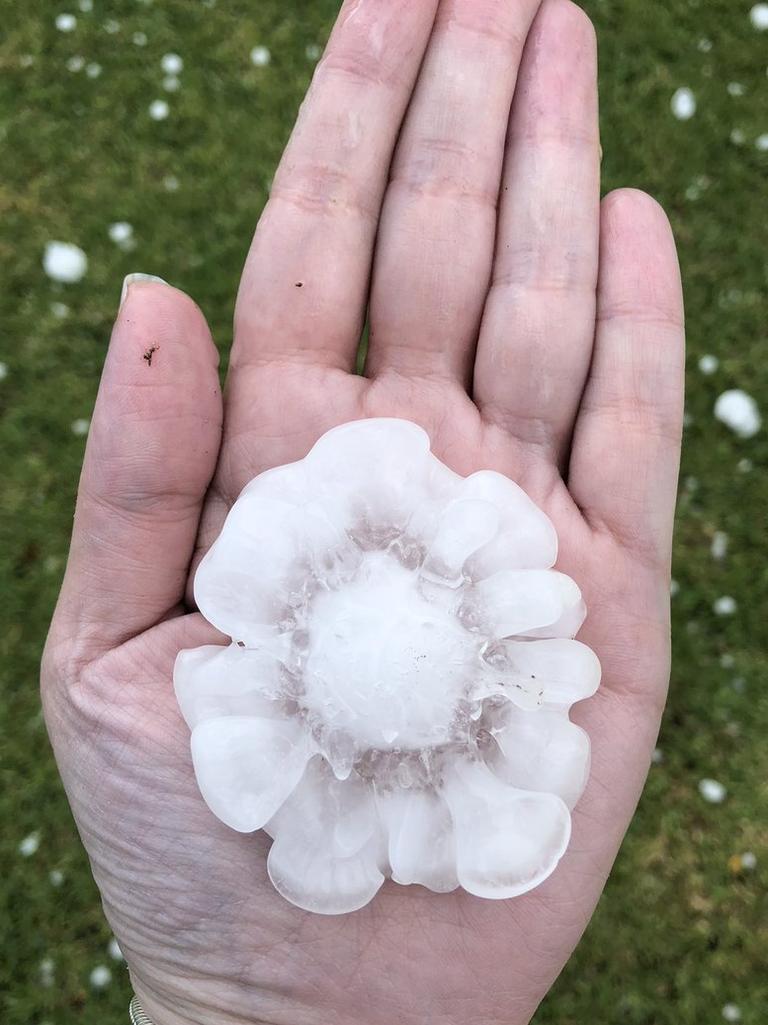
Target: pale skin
[530, 329]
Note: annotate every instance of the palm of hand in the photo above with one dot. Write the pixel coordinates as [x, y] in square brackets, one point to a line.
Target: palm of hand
[206, 937]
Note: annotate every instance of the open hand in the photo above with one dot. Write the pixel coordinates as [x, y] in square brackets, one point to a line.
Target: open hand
[531, 330]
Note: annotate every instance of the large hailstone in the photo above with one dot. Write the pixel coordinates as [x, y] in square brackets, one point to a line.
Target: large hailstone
[395, 700]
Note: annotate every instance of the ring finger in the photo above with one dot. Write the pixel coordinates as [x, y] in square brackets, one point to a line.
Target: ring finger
[538, 327]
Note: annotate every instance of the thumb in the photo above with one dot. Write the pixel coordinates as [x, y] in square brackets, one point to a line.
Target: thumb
[151, 453]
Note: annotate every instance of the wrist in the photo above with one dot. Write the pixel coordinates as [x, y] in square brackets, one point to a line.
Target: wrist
[136, 1013]
[148, 1009]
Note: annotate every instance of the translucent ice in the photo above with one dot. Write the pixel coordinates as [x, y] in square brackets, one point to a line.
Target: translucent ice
[395, 702]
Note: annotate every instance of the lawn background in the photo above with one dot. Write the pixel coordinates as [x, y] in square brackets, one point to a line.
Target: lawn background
[682, 929]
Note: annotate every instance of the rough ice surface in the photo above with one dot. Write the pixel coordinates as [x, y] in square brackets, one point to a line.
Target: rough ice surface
[394, 703]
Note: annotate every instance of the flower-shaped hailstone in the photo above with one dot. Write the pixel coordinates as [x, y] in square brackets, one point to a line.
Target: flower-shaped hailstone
[395, 700]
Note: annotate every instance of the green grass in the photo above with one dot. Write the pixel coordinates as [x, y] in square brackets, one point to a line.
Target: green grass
[678, 933]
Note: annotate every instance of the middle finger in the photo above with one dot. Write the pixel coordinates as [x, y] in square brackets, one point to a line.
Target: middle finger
[438, 223]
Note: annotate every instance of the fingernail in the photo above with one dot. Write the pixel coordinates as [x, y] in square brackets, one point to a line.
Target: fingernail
[130, 278]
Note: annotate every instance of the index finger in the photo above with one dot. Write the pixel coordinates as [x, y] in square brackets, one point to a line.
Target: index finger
[304, 289]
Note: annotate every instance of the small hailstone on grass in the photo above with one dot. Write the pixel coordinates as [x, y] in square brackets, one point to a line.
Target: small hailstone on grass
[727, 661]
[761, 143]
[114, 950]
[171, 83]
[735, 89]
[719, 545]
[738, 137]
[159, 110]
[111, 26]
[121, 233]
[93, 70]
[171, 183]
[683, 104]
[708, 364]
[725, 606]
[658, 756]
[80, 427]
[759, 17]
[748, 861]
[731, 1012]
[260, 56]
[66, 22]
[63, 261]
[85, 6]
[394, 702]
[739, 411]
[172, 64]
[697, 187]
[139, 38]
[745, 466]
[29, 845]
[704, 45]
[712, 791]
[56, 877]
[76, 63]
[313, 52]
[47, 972]
[100, 977]
[3, 371]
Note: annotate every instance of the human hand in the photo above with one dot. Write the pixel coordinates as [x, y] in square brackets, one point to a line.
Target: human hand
[541, 337]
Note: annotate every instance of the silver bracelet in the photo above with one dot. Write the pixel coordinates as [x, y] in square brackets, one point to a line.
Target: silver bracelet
[136, 1011]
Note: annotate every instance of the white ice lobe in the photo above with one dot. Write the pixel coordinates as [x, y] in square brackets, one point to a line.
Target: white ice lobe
[395, 700]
